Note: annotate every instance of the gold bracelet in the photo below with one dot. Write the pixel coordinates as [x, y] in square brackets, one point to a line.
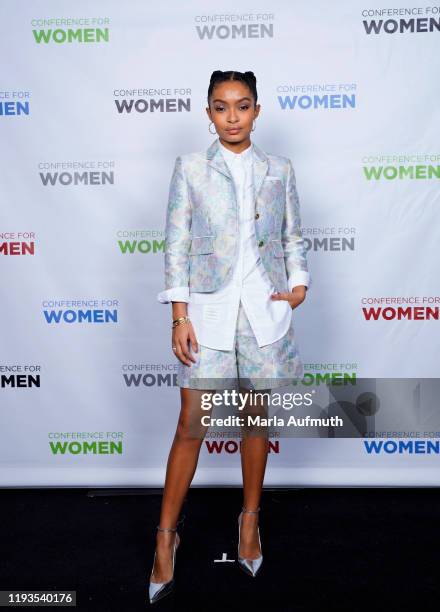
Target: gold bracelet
[180, 320]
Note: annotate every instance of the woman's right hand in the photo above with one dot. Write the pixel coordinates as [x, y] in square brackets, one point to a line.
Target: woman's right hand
[182, 335]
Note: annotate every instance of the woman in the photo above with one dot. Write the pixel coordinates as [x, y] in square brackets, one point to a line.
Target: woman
[235, 268]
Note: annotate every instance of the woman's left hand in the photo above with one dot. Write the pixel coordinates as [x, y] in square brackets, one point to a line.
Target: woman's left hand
[294, 297]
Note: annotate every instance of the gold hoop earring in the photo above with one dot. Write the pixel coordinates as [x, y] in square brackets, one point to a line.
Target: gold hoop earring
[253, 128]
[209, 129]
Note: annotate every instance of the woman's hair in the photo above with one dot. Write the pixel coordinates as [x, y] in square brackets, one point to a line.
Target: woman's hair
[248, 78]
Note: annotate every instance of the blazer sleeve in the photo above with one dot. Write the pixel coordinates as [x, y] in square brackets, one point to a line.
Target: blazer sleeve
[177, 238]
[291, 236]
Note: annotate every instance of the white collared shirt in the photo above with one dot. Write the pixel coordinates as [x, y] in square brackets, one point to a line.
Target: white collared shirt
[214, 314]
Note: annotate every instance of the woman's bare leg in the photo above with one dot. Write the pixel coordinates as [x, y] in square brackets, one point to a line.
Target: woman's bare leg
[254, 450]
[181, 467]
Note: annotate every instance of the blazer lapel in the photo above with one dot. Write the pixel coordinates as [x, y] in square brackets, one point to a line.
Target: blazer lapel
[216, 159]
[261, 165]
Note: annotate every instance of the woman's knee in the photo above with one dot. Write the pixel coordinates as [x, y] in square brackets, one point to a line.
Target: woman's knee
[189, 429]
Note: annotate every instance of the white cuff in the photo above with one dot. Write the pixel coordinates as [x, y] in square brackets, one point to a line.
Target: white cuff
[176, 294]
[300, 278]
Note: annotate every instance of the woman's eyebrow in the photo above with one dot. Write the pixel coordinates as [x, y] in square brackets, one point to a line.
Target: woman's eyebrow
[241, 100]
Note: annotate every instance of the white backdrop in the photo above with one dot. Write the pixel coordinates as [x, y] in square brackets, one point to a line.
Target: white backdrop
[94, 111]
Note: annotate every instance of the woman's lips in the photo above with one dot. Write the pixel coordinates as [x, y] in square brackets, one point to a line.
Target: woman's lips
[234, 130]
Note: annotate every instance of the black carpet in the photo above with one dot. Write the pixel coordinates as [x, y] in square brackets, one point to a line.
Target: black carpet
[341, 549]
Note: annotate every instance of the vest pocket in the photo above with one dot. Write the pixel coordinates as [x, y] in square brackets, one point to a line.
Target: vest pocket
[201, 245]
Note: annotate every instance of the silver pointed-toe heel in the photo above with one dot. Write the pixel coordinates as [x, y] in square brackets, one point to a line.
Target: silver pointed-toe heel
[158, 590]
[250, 566]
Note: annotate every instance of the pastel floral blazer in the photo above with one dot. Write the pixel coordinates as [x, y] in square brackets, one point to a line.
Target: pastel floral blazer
[202, 227]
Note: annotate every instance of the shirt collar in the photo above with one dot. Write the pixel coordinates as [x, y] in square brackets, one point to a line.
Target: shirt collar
[231, 156]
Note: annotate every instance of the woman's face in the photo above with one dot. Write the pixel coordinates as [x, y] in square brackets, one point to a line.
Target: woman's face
[232, 110]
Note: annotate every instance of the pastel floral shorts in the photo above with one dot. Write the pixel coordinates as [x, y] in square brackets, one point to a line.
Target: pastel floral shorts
[247, 366]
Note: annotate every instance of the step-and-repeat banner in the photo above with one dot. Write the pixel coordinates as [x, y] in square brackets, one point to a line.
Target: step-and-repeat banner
[96, 101]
